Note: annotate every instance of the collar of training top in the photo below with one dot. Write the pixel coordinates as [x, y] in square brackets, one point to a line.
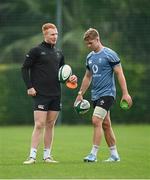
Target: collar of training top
[48, 44]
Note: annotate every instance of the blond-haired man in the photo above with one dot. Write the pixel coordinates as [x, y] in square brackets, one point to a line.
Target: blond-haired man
[101, 64]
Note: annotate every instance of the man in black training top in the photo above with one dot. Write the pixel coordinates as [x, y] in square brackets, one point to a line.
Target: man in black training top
[40, 74]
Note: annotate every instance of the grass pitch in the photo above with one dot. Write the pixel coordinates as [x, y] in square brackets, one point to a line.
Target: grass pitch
[71, 144]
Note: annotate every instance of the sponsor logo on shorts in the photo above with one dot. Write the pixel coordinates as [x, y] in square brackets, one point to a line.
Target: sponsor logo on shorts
[40, 106]
[27, 55]
[102, 102]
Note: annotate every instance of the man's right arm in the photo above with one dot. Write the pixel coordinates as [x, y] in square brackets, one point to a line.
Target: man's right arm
[26, 67]
[85, 85]
[85, 82]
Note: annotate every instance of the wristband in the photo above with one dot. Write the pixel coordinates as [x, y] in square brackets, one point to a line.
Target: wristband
[80, 93]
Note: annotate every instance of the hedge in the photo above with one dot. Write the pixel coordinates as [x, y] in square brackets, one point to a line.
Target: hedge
[16, 106]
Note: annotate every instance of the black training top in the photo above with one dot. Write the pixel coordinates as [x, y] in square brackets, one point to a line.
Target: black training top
[40, 69]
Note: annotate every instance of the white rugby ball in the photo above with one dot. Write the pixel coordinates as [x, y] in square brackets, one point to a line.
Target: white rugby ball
[82, 107]
[64, 73]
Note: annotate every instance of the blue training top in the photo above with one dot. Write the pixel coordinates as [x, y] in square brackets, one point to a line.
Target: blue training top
[101, 66]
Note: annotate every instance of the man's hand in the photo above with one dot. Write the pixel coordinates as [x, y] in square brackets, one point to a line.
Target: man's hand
[73, 79]
[127, 98]
[31, 92]
[79, 97]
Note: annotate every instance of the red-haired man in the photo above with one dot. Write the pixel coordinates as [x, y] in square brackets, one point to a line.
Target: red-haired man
[40, 74]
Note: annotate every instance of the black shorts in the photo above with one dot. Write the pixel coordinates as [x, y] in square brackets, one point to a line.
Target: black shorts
[45, 103]
[105, 102]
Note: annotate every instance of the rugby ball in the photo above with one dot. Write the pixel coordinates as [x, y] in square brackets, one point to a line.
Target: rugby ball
[82, 107]
[64, 73]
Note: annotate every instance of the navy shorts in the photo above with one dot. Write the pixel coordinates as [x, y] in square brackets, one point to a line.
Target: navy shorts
[45, 103]
[105, 102]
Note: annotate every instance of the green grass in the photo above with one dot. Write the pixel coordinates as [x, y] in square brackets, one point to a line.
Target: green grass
[71, 144]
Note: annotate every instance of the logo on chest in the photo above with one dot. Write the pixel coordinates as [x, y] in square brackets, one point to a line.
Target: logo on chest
[95, 68]
[43, 53]
[100, 60]
[58, 55]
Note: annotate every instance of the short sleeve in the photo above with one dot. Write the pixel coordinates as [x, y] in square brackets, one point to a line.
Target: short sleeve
[113, 58]
[87, 61]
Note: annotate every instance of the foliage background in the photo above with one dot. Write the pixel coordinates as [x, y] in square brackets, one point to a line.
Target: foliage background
[123, 25]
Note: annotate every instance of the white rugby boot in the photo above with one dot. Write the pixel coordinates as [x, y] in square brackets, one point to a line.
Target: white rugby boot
[30, 160]
[50, 160]
[112, 159]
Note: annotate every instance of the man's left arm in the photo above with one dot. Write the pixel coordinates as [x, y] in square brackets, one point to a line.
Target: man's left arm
[123, 85]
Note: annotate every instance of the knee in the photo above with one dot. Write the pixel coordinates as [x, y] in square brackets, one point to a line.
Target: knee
[50, 123]
[106, 125]
[39, 125]
[96, 122]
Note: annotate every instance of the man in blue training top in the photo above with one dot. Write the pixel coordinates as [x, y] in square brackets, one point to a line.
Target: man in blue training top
[101, 64]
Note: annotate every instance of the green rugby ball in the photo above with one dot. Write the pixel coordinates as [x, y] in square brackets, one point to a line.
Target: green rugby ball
[82, 107]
